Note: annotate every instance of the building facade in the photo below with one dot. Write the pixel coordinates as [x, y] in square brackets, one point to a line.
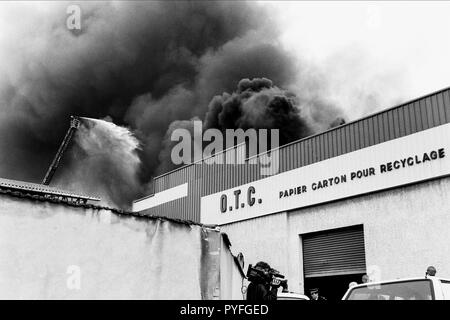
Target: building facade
[371, 196]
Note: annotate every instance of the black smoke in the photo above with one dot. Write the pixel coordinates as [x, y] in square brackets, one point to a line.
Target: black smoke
[143, 64]
[258, 104]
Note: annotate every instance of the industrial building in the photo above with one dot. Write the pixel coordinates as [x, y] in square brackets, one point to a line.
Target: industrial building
[370, 196]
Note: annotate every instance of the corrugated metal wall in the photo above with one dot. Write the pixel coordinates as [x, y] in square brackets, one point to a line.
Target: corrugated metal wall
[417, 115]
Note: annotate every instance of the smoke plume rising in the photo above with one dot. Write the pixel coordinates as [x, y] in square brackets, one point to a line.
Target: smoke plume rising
[258, 104]
[149, 66]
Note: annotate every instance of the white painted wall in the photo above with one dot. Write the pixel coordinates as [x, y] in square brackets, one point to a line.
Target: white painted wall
[44, 246]
[405, 229]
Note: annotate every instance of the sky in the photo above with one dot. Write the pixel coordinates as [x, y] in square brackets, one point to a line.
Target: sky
[370, 54]
[396, 51]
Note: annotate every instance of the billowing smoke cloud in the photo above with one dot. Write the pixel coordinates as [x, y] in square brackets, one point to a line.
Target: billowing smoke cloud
[144, 64]
[258, 104]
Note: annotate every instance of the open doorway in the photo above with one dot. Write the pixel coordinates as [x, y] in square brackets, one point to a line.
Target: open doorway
[332, 288]
[332, 259]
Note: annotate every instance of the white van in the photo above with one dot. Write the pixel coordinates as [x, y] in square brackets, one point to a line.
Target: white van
[430, 288]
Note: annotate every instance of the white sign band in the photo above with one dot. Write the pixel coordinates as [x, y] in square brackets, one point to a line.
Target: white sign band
[413, 158]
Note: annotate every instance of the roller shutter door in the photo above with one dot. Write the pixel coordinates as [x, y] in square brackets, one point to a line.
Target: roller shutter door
[334, 252]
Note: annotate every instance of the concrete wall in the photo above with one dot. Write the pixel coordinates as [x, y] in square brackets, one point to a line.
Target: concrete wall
[52, 251]
[405, 229]
[231, 279]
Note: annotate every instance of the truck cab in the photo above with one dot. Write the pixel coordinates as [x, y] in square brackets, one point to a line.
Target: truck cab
[430, 288]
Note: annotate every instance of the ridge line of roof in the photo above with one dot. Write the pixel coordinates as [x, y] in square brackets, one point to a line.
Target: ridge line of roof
[39, 188]
[19, 194]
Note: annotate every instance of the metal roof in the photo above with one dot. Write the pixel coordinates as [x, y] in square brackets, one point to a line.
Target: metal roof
[41, 189]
